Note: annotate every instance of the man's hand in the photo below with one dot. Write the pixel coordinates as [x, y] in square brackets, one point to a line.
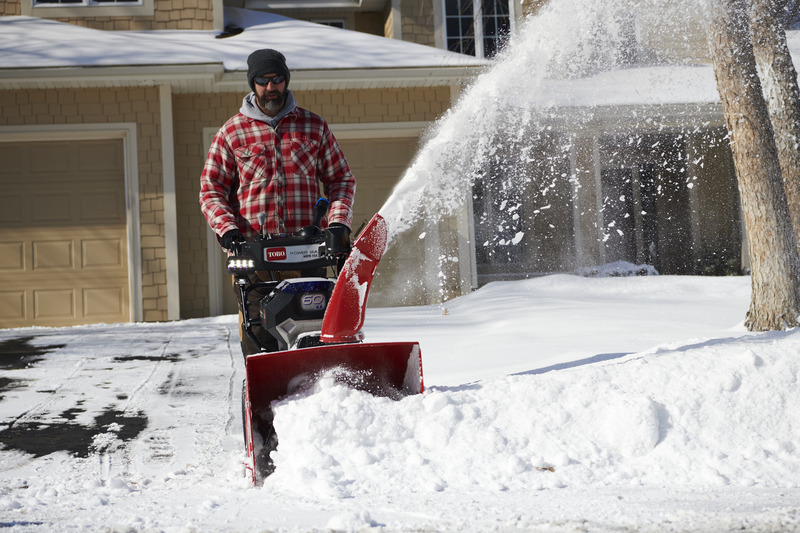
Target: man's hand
[231, 239]
[338, 239]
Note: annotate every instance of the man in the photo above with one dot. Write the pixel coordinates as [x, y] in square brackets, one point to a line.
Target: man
[276, 158]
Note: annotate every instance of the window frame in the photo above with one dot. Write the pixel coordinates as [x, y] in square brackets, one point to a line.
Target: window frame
[478, 21]
[88, 8]
[332, 22]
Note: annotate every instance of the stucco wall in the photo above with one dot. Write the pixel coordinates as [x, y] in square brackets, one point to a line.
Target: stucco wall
[137, 105]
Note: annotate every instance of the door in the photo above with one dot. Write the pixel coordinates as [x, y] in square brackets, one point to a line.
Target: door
[63, 233]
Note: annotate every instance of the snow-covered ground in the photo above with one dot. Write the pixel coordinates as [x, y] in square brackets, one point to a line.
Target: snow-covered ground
[560, 403]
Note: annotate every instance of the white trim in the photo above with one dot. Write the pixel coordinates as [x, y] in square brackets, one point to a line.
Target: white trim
[397, 20]
[692, 151]
[50, 11]
[170, 204]
[576, 198]
[439, 30]
[218, 14]
[467, 256]
[215, 285]
[598, 188]
[273, 5]
[212, 77]
[126, 131]
[378, 130]
[215, 274]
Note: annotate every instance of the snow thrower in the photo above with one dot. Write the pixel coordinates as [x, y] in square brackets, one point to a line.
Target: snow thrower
[307, 326]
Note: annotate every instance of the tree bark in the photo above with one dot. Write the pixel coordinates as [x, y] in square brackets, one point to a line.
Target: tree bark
[774, 262]
[779, 83]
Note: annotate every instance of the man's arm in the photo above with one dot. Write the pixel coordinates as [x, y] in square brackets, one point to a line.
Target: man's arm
[216, 182]
[337, 180]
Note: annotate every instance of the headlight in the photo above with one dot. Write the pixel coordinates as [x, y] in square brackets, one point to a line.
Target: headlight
[240, 264]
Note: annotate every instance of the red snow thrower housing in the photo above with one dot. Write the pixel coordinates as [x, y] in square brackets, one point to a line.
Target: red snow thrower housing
[307, 326]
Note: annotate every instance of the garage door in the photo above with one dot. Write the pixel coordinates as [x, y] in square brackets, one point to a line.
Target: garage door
[377, 164]
[63, 238]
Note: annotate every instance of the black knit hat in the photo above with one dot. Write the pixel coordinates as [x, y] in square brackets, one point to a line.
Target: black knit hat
[266, 61]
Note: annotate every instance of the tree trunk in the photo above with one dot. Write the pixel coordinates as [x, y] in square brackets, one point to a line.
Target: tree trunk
[779, 83]
[774, 262]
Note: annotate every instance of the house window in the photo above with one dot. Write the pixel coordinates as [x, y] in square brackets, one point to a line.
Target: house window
[477, 27]
[336, 23]
[57, 9]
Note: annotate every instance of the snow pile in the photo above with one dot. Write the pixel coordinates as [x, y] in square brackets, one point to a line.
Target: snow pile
[714, 413]
[618, 268]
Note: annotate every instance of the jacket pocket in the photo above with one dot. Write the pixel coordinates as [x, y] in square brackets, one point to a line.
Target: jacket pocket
[302, 157]
[254, 162]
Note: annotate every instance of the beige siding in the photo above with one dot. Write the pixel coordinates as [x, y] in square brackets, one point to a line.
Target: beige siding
[192, 113]
[138, 105]
[417, 21]
[167, 15]
[10, 9]
[377, 105]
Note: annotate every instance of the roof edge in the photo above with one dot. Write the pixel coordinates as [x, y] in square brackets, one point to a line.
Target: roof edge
[212, 77]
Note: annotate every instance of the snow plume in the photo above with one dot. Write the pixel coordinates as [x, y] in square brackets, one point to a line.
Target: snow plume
[488, 130]
[511, 135]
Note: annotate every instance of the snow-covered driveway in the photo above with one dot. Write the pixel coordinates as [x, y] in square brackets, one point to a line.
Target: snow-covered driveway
[558, 404]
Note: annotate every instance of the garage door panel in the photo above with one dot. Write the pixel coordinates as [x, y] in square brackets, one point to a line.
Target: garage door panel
[101, 207]
[54, 158]
[12, 256]
[51, 208]
[392, 154]
[13, 209]
[63, 234]
[100, 302]
[13, 159]
[52, 255]
[53, 303]
[99, 157]
[378, 164]
[12, 305]
[102, 253]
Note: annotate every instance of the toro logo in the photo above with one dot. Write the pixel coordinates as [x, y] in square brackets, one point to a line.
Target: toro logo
[275, 254]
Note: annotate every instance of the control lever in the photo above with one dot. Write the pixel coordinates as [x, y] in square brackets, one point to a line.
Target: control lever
[262, 221]
[320, 209]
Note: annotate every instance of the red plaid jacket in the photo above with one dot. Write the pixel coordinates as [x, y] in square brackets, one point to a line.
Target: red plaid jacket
[252, 168]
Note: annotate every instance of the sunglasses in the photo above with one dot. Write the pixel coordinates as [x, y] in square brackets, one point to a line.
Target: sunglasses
[276, 80]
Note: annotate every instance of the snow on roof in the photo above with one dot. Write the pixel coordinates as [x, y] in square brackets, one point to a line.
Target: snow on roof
[32, 44]
[29, 42]
[674, 84]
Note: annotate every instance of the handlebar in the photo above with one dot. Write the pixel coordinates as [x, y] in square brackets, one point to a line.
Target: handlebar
[307, 249]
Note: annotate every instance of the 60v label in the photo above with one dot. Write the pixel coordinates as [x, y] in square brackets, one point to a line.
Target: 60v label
[312, 302]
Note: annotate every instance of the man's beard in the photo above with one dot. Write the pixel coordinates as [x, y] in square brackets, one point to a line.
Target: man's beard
[272, 101]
